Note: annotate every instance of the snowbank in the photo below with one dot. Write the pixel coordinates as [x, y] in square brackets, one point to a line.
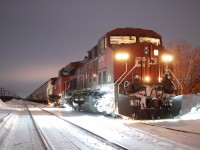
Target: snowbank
[4, 106]
[189, 102]
[2, 103]
[15, 101]
[11, 105]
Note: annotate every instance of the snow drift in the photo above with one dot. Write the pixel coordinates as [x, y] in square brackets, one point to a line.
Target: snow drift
[189, 102]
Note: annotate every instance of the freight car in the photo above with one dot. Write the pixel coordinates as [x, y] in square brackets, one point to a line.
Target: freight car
[42, 93]
[52, 90]
[127, 73]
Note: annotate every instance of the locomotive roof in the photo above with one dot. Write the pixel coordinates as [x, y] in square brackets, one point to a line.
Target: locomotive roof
[73, 65]
[133, 31]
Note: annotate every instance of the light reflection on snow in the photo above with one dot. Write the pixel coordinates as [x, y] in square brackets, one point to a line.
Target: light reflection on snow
[34, 109]
[99, 126]
[172, 120]
[194, 114]
[67, 107]
[47, 124]
[42, 121]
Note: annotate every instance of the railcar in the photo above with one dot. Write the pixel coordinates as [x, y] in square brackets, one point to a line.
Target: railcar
[59, 87]
[52, 90]
[42, 93]
[127, 73]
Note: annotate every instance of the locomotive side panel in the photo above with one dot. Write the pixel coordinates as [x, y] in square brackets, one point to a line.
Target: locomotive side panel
[91, 67]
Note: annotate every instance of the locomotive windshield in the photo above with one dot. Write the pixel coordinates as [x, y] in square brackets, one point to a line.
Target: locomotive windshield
[152, 40]
[118, 40]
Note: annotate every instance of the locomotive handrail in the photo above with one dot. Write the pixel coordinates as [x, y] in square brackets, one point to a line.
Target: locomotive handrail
[177, 80]
[136, 64]
[121, 75]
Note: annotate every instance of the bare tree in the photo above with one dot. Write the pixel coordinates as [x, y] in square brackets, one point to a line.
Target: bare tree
[186, 65]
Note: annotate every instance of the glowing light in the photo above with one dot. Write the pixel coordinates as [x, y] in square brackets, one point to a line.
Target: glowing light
[94, 75]
[147, 78]
[167, 58]
[156, 52]
[122, 56]
[159, 79]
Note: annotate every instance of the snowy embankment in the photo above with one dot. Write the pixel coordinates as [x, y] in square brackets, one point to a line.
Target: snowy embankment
[2, 104]
[190, 107]
[10, 105]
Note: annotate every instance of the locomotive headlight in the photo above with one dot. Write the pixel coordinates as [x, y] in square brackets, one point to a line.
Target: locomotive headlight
[167, 58]
[159, 79]
[121, 56]
[147, 78]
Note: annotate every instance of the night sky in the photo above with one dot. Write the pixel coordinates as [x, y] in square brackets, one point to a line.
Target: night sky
[39, 37]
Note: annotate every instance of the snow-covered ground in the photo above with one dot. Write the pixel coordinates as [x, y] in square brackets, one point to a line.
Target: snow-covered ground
[183, 132]
[18, 131]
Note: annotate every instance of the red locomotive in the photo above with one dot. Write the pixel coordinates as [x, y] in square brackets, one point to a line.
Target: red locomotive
[127, 73]
[123, 74]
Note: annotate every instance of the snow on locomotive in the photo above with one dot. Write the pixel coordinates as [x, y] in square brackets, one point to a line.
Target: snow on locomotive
[123, 74]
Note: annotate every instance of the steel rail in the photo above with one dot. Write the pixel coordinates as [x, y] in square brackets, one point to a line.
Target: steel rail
[45, 142]
[106, 140]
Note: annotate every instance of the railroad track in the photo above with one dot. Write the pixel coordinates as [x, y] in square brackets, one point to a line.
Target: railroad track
[127, 134]
[48, 144]
[45, 142]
